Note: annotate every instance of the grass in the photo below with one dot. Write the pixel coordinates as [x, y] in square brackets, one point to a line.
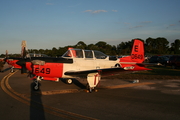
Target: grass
[157, 72]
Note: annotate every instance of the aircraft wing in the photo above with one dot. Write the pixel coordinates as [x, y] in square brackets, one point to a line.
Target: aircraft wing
[103, 72]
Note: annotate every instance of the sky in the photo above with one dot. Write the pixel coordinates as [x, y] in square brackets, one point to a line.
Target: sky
[45, 24]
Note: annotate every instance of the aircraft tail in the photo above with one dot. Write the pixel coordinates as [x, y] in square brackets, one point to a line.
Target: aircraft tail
[137, 53]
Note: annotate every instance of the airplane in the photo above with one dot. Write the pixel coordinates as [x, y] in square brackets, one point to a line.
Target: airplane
[91, 64]
[13, 60]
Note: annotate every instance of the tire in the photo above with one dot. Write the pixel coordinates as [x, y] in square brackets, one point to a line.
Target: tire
[69, 81]
[36, 88]
[89, 90]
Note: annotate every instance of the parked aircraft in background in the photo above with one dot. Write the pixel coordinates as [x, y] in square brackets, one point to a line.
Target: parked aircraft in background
[13, 60]
[83, 63]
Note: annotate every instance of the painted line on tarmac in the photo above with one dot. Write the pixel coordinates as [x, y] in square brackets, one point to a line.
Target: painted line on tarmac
[51, 110]
[54, 92]
[129, 85]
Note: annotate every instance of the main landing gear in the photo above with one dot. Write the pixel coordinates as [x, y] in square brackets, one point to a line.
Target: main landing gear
[90, 89]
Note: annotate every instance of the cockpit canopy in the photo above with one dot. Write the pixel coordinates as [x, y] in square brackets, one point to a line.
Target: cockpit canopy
[80, 53]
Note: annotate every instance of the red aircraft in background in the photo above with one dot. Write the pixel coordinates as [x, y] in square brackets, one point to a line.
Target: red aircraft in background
[91, 64]
[12, 61]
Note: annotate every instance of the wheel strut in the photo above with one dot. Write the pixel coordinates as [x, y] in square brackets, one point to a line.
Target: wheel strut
[90, 89]
[36, 85]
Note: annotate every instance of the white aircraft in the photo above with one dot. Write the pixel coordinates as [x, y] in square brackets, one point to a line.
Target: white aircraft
[84, 63]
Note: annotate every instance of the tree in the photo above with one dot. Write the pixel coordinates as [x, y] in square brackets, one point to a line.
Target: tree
[41, 51]
[54, 52]
[81, 45]
[104, 47]
[149, 46]
[175, 47]
[152, 45]
[124, 48]
[157, 46]
[92, 47]
[162, 45]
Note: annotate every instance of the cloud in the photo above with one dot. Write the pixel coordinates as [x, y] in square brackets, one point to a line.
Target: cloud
[138, 26]
[76, 5]
[146, 22]
[49, 4]
[98, 11]
[95, 11]
[88, 11]
[127, 23]
[172, 25]
[114, 10]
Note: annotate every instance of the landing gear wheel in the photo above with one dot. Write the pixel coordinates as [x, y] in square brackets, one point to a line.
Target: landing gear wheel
[11, 70]
[35, 86]
[95, 90]
[89, 89]
[69, 81]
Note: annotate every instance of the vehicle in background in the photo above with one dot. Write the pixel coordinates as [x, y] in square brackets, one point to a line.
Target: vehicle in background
[174, 61]
[154, 59]
[164, 59]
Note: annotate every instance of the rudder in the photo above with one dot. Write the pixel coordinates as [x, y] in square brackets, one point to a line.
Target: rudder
[137, 53]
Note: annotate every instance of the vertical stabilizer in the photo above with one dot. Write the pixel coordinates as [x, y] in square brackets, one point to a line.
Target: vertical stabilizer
[137, 53]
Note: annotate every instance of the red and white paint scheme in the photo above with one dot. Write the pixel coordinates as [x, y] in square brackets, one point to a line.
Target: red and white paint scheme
[12, 63]
[91, 64]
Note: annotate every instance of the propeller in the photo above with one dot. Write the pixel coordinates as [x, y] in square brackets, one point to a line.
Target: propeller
[25, 55]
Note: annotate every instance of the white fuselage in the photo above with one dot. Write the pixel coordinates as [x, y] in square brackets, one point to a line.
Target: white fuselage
[98, 60]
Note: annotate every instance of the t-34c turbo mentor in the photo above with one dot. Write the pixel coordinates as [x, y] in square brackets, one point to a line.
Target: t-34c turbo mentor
[84, 63]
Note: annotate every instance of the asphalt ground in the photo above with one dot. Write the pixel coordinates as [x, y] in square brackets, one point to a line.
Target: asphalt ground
[115, 99]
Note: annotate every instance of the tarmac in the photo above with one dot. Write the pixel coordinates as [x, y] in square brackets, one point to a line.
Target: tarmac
[115, 99]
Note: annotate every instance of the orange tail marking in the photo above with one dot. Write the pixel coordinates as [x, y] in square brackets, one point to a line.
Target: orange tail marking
[137, 53]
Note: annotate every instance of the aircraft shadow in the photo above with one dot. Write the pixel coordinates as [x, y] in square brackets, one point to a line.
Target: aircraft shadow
[77, 83]
[7, 69]
[36, 106]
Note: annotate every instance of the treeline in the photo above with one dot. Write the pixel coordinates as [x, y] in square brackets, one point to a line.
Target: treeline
[160, 46]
